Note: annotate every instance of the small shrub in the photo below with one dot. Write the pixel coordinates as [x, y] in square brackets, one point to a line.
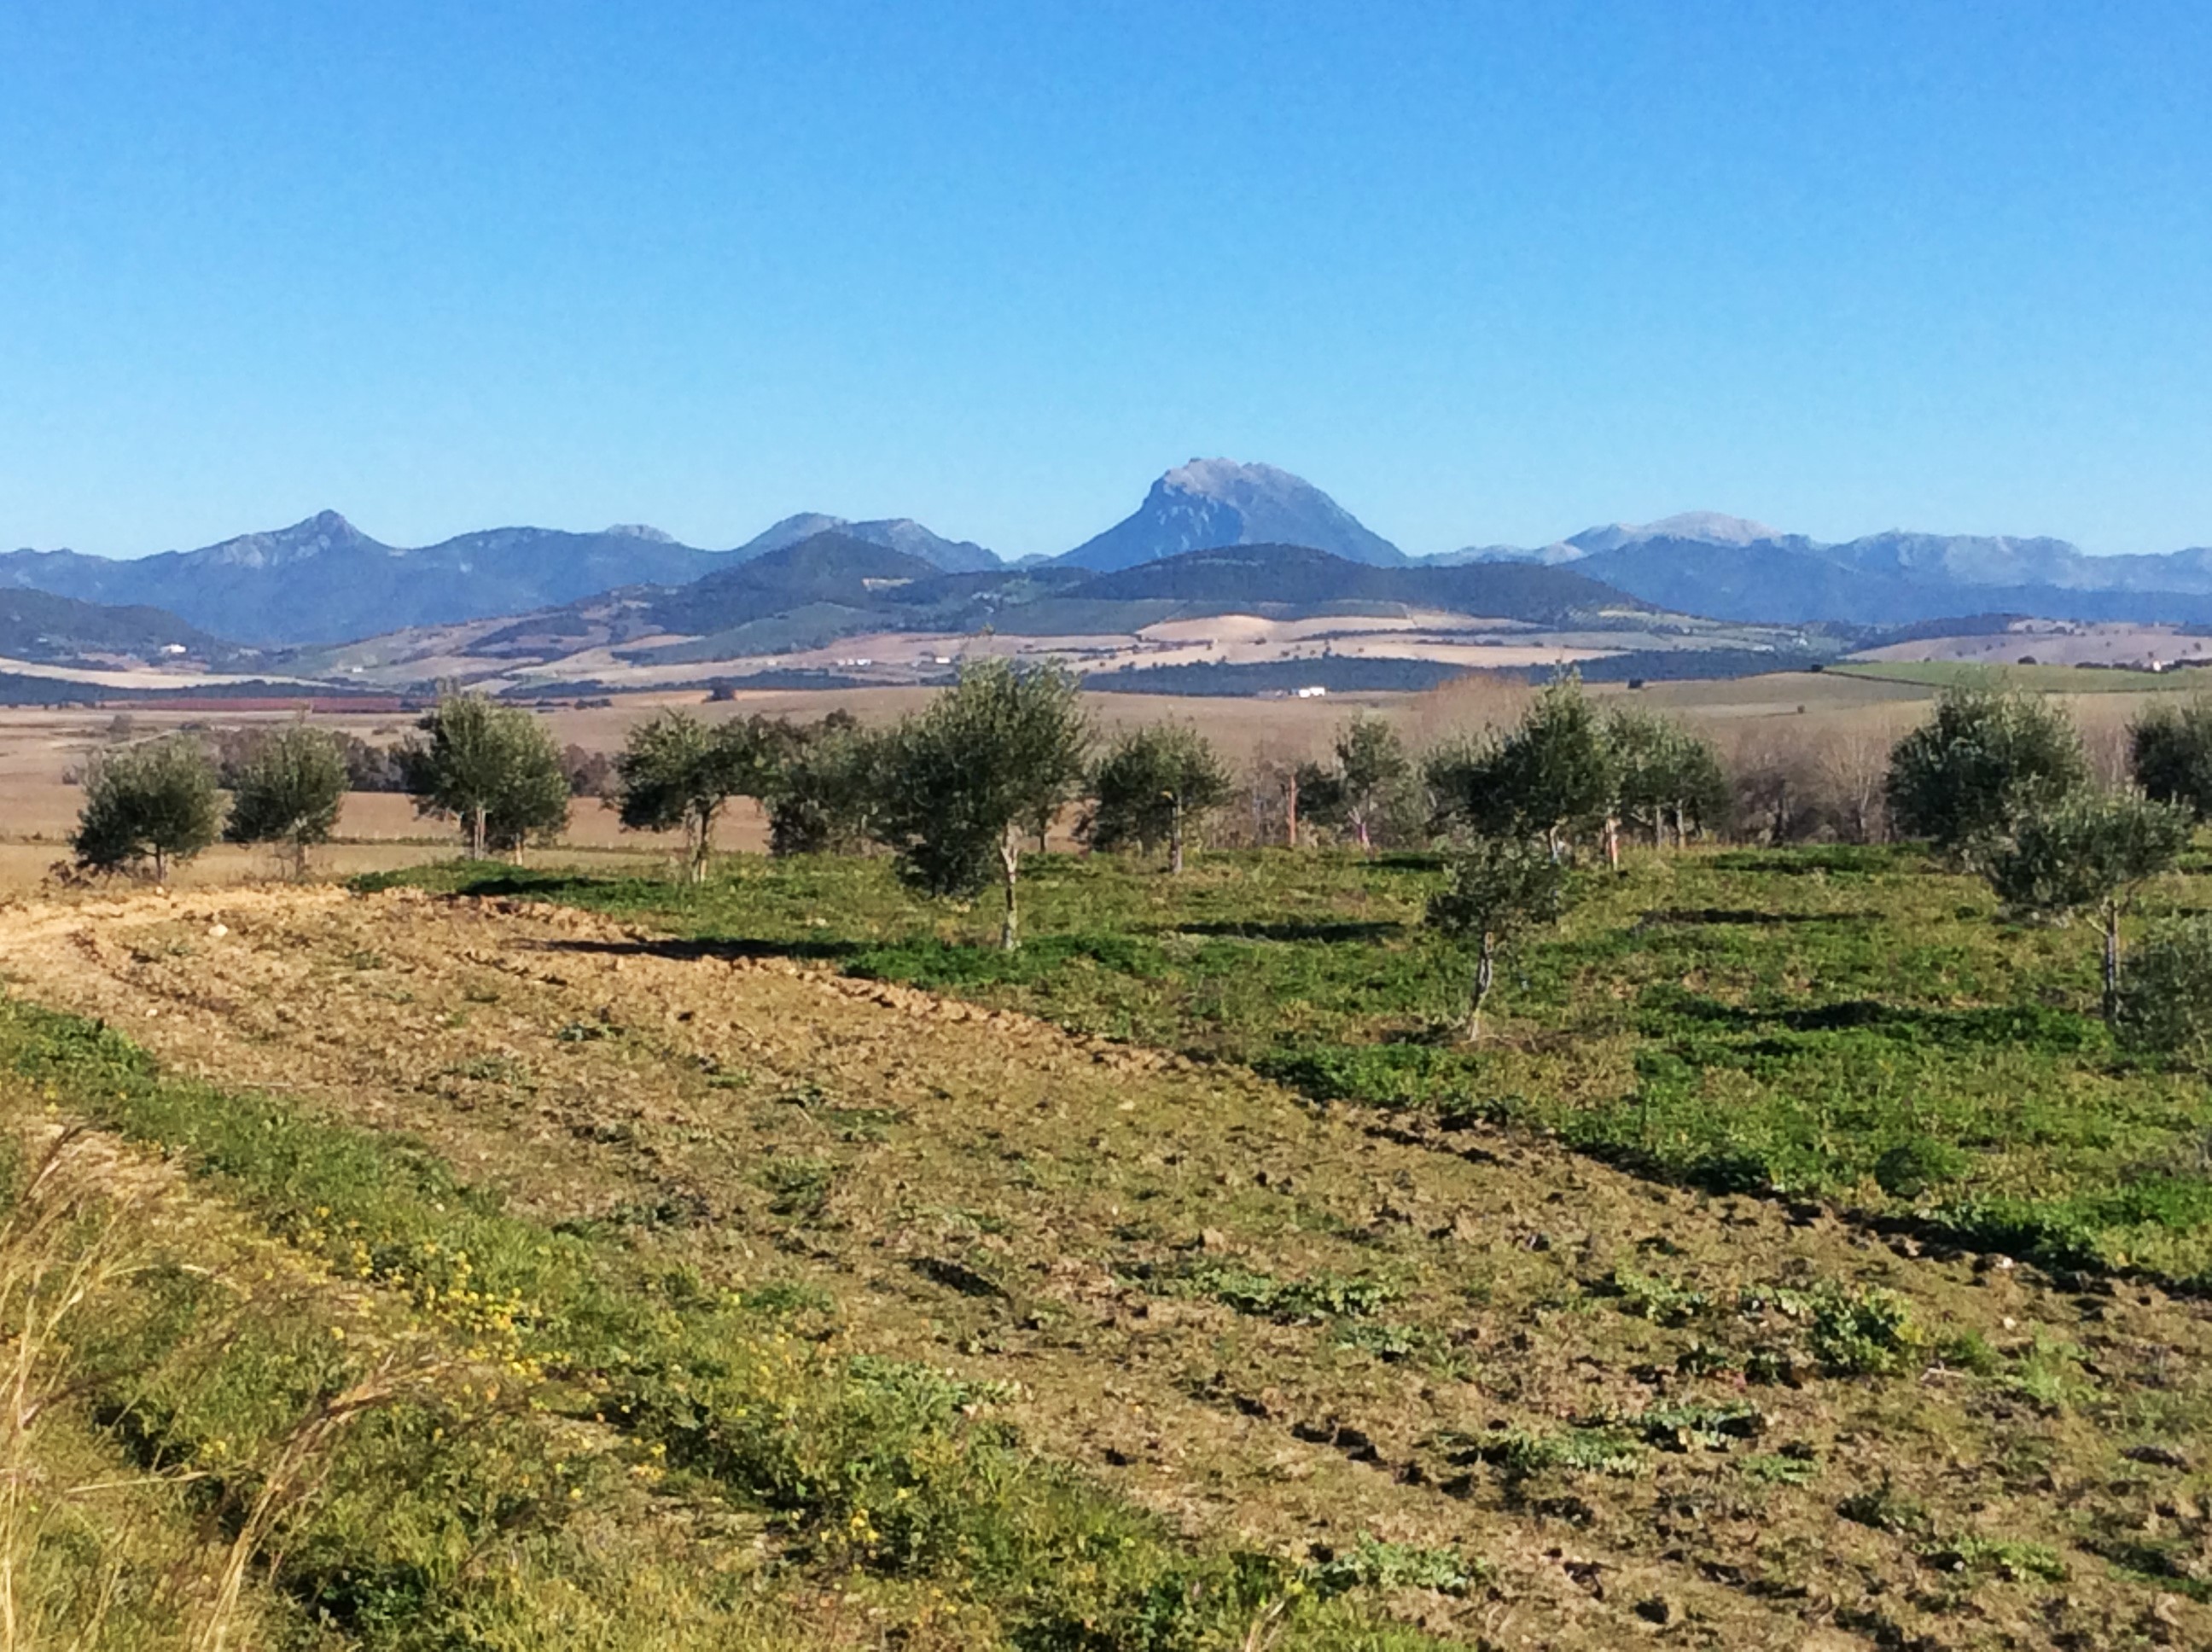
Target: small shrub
[1289, 1301]
[1919, 1166]
[2012, 1561]
[1850, 1330]
[2165, 1003]
[1781, 1468]
[1713, 1428]
[797, 1186]
[1882, 1508]
[1522, 1453]
[1374, 1564]
[1662, 1301]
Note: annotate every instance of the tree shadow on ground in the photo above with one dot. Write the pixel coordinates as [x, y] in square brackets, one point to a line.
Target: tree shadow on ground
[1996, 1024]
[1701, 915]
[726, 949]
[1295, 929]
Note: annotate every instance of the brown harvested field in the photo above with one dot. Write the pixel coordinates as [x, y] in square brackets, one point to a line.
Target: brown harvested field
[984, 1192]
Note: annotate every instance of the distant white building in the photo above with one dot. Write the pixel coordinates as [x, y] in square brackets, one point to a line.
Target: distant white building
[1316, 691]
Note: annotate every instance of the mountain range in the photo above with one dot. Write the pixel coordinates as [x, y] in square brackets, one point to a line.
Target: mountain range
[1726, 567]
[323, 580]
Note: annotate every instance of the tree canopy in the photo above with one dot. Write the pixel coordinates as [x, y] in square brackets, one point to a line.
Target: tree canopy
[1983, 760]
[829, 791]
[2170, 753]
[675, 771]
[1153, 786]
[155, 801]
[995, 755]
[2088, 851]
[1499, 887]
[495, 768]
[288, 791]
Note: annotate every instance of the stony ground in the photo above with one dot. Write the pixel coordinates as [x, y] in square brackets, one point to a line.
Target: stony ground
[1297, 1326]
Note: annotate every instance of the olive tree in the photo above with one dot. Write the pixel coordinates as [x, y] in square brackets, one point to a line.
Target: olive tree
[1499, 887]
[2170, 754]
[1153, 787]
[288, 791]
[999, 750]
[675, 771]
[1551, 776]
[2166, 998]
[494, 767]
[1371, 763]
[2089, 852]
[155, 801]
[828, 791]
[1983, 760]
[1660, 771]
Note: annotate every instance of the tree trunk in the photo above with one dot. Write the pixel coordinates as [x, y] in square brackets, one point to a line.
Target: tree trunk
[479, 836]
[699, 841]
[1485, 972]
[2112, 963]
[1291, 809]
[1359, 825]
[160, 865]
[1009, 862]
[1612, 842]
[1174, 837]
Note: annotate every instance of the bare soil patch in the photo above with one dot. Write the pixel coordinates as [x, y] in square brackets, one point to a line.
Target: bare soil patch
[1111, 1229]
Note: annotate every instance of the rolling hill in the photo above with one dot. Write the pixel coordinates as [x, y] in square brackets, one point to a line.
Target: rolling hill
[48, 630]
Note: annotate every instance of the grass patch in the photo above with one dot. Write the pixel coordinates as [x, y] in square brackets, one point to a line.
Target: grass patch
[436, 1531]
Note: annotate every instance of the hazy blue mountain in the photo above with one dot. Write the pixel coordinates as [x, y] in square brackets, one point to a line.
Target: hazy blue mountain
[1726, 567]
[324, 580]
[900, 533]
[1211, 502]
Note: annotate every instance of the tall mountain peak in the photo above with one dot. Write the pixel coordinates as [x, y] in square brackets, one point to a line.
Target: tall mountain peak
[1211, 502]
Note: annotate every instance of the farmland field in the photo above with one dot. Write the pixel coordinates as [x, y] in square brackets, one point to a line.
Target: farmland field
[769, 1264]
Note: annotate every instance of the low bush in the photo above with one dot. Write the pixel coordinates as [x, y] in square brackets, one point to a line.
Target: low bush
[2165, 1005]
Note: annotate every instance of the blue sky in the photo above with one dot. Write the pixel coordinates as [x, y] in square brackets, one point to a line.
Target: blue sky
[1485, 272]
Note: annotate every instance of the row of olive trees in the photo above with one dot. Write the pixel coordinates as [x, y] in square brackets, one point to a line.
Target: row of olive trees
[1999, 782]
[159, 802]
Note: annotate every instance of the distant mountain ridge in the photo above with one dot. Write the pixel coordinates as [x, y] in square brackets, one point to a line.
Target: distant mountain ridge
[323, 581]
[1727, 568]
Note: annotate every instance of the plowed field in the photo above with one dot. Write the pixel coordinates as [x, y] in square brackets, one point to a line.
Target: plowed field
[1649, 1413]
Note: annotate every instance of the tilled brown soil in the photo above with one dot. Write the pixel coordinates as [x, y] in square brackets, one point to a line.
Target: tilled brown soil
[985, 1193]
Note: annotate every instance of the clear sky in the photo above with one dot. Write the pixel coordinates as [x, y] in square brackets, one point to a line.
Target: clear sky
[1485, 272]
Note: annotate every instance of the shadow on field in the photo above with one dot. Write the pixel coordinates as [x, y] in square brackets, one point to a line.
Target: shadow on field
[1297, 930]
[2029, 1024]
[528, 885]
[723, 948]
[1747, 915]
